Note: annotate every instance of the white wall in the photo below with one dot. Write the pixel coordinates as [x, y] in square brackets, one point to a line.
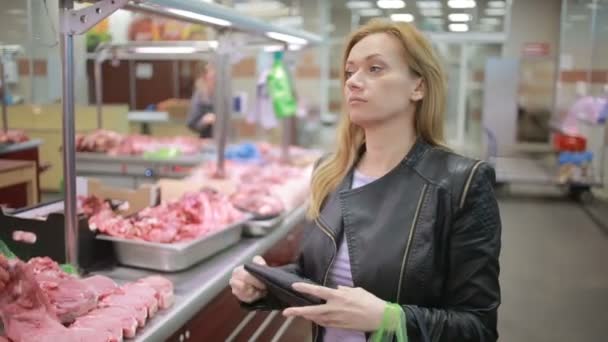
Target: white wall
[533, 21]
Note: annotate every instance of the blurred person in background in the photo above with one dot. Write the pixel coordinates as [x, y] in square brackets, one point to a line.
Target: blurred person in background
[397, 220]
[201, 116]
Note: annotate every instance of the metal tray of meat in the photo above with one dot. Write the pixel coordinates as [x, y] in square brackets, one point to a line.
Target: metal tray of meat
[172, 257]
[257, 228]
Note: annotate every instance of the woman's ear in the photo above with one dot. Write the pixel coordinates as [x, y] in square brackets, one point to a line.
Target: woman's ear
[418, 93]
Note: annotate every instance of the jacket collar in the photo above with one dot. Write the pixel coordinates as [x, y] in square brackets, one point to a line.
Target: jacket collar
[331, 214]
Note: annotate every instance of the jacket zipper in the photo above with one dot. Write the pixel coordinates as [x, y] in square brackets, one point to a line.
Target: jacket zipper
[327, 232]
[468, 184]
[410, 238]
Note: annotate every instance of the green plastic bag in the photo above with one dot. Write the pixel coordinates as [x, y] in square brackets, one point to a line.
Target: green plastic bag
[393, 326]
[6, 251]
[281, 93]
[67, 268]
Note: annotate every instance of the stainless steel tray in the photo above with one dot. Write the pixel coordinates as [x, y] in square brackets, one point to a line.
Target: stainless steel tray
[171, 257]
[263, 227]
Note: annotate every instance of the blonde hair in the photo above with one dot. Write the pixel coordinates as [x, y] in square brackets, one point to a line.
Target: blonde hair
[428, 120]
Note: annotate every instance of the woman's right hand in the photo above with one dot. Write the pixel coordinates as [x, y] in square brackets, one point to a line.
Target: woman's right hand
[246, 287]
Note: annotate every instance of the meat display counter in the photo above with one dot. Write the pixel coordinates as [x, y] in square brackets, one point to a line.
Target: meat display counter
[131, 171]
[201, 293]
[204, 308]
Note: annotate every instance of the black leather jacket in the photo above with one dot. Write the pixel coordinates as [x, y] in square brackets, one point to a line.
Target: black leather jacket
[426, 235]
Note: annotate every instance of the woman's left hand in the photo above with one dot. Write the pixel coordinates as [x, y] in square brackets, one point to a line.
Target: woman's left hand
[345, 308]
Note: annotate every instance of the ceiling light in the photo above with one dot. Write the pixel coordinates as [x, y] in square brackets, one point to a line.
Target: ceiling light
[391, 4]
[165, 49]
[496, 4]
[495, 11]
[489, 21]
[358, 4]
[273, 48]
[458, 27]
[295, 47]
[429, 4]
[201, 17]
[459, 17]
[431, 12]
[461, 4]
[287, 38]
[370, 12]
[406, 17]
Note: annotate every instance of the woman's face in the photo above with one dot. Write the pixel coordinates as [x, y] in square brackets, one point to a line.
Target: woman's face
[379, 84]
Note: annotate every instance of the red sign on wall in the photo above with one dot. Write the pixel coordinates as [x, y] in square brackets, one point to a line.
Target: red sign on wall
[536, 50]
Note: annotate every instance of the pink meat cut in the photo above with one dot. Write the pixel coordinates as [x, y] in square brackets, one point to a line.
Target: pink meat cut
[137, 304]
[116, 320]
[69, 297]
[29, 317]
[145, 293]
[194, 215]
[101, 286]
[164, 290]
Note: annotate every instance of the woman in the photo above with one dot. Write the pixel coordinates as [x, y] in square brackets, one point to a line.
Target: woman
[201, 117]
[396, 217]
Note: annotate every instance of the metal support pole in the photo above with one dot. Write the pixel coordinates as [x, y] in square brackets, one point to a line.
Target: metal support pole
[30, 59]
[4, 86]
[175, 66]
[286, 138]
[69, 153]
[98, 92]
[132, 86]
[222, 100]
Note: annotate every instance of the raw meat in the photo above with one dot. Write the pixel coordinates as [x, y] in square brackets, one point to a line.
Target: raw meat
[257, 199]
[116, 320]
[164, 290]
[12, 136]
[38, 290]
[112, 143]
[192, 216]
[137, 304]
[29, 317]
[70, 297]
[102, 323]
[25, 237]
[145, 293]
[101, 286]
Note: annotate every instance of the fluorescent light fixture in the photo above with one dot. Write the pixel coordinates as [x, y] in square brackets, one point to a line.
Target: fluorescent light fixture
[459, 17]
[391, 4]
[165, 49]
[358, 4]
[496, 4]
[489, 21]
[431, 12]
[370, 12]
[287, 38]
[461, 4]
[458, 27]
[201, 17]
[495, 11]
[429, 4]
[295, 47]
[213, 44]
[406, 17]
[273, 48]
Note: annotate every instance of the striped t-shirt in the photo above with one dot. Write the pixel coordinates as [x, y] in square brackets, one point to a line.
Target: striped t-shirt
[340, 274]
